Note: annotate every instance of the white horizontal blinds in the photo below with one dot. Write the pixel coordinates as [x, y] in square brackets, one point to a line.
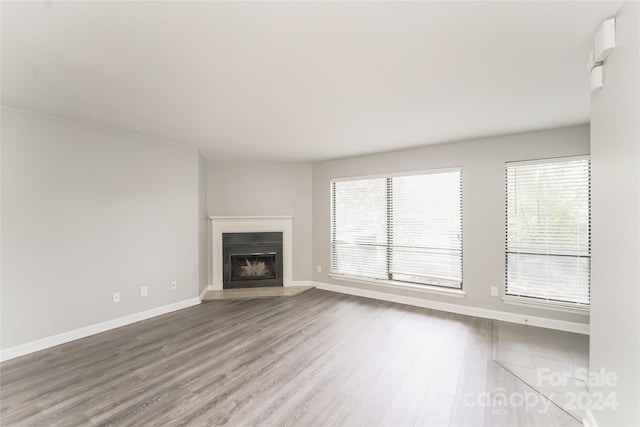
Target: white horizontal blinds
[359, 229]
[548, 245]
[426, 213]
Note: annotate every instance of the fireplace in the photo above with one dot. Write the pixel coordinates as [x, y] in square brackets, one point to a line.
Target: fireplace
[243, 227]
[252, 260]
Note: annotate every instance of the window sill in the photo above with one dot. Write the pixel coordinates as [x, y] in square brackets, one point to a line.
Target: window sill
[547, 305]
[429, 289]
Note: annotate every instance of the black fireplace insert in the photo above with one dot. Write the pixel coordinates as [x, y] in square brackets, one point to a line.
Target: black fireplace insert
[252, 259]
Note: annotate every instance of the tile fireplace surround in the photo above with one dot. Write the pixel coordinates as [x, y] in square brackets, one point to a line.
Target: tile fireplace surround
[250, 224]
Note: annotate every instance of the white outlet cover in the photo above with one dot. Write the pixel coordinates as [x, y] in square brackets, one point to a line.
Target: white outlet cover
[144, 291]
[319, 268]
[494, 291]
[116, 297]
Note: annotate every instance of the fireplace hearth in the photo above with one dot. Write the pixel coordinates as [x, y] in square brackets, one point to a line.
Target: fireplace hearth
[252, 260]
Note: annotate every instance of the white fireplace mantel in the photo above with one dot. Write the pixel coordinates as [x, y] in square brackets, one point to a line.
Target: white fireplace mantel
[250, 224]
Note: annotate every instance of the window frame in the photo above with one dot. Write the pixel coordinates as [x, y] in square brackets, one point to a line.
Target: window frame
[539, 302]
[429, 288]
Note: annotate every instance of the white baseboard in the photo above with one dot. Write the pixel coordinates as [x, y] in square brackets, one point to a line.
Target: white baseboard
[41, 344]
[506, 316]
[204, 291]
[302, 283]
[589, 420]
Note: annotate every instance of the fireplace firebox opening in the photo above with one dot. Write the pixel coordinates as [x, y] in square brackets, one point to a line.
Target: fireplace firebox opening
[252, 260]
[253, 266]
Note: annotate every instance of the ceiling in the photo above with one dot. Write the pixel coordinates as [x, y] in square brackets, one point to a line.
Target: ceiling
[302, 81]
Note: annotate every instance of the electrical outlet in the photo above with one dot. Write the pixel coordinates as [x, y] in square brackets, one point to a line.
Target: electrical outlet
[494, 291]
[116, 297]
[174, 285]
[144, 291]
[319, 268]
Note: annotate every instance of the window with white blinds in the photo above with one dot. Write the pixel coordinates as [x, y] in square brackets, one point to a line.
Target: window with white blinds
[360, 228]
[548, 236]
[400, 228]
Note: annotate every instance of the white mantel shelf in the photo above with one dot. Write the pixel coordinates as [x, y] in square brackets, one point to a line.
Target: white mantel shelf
[250, 224]
[249, 218]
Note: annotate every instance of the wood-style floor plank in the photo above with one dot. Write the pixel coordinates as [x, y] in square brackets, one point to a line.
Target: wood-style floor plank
[318, 358]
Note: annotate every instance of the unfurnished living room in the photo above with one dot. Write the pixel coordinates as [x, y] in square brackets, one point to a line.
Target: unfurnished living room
[320, 213]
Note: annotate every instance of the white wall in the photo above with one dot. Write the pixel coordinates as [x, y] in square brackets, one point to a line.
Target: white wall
[266, 189]
[483, 188]
[615, 156]
[87, 211]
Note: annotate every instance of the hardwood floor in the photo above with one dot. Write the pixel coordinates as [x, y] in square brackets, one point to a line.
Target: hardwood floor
[318, 358]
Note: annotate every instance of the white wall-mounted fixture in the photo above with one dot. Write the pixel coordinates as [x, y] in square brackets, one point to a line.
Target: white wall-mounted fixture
[597, 78]
[605, 39]
[603, 43]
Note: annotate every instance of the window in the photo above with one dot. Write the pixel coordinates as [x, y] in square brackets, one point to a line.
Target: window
[401, 228]
[548, 243]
